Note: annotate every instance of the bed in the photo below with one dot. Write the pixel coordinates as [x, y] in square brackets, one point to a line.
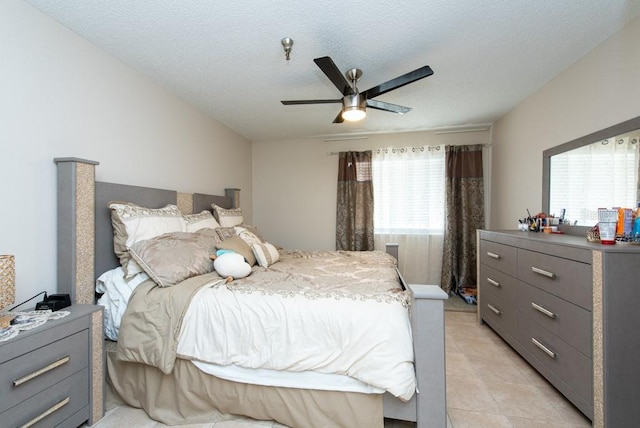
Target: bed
[175, 385]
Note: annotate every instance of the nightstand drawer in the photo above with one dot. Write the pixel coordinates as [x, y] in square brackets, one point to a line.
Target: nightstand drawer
[52, 406]
[30, 373]
[569, 322]
[568, 279]
[573, 367]
[499, 256]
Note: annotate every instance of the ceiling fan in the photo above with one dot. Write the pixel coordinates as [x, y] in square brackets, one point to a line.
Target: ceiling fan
[354, 103]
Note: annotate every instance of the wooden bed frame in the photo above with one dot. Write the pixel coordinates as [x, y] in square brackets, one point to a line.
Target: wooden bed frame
[85, 250]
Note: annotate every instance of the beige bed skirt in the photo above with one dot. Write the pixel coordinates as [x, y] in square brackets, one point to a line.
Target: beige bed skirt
[189, 396]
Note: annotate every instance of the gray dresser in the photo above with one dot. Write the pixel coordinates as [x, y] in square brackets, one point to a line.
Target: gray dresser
[571, 309]
[52, 375]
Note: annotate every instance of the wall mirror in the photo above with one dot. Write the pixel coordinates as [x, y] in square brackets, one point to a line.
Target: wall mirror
[599, 170]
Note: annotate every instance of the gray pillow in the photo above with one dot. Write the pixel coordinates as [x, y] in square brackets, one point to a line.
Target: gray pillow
[173, 257]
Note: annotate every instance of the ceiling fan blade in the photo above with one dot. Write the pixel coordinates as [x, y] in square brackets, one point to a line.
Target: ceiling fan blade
[338, 118]
[334, 74]
[296, 102]
[398, 82]
[393, 108]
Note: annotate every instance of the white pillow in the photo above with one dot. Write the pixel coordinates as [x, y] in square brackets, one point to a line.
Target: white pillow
[204, 220]
[231, 264]
[266, 254]
[132, 223]
[227, 217]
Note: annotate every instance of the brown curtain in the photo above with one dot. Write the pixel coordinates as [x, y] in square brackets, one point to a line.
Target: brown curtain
[354, 214]
[464, 213]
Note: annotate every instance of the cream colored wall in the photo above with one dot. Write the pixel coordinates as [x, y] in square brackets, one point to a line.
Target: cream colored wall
[600, 90]
[294, 183]
[61, 96]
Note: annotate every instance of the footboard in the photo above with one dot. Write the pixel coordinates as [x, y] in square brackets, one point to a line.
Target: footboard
[428, 407]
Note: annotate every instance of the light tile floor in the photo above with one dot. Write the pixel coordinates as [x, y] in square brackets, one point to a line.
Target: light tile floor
[488, 385]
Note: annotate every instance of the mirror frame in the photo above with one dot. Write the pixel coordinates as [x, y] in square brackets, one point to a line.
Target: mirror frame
[612, 131]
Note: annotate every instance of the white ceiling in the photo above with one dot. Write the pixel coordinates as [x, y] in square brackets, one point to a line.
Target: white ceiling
[226, 57]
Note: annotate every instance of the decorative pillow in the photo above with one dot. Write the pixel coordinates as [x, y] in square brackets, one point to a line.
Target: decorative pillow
[227, 217]
[266, 254]
[247, 236]
[247, 227]
[195, 222]
[226, 232]
[174, 257]
[132, 223]
[236, 244]
[231, 264]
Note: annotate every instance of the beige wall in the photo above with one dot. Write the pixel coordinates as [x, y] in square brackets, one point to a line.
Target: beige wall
[61, 96]
[600, 90]
[294, 183]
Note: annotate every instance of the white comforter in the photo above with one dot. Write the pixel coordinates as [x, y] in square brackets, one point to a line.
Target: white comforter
[338, 329]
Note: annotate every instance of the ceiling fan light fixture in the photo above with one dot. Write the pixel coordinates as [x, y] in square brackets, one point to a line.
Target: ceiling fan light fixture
[354, 108]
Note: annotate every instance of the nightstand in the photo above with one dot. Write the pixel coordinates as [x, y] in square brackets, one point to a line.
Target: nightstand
[53, 375]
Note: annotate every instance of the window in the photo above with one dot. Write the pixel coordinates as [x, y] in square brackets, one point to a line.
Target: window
[408, 187]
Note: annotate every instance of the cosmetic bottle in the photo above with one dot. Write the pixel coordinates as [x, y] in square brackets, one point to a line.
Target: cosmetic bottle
[635, 233]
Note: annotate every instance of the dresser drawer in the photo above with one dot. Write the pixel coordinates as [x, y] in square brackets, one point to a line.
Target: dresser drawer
[564, 278]
[571, 366]
[499, 256]
[53, 405]
[497, 299]
[30, 373]
[497, 285]
[569, 322]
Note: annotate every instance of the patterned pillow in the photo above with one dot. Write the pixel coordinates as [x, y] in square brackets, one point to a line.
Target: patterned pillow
[247, 227]
[195, 222]
[266, 254]
[173, 257]
[227, 217]
[236, 244]
[226, 232]
[249, 237]
[132, 223]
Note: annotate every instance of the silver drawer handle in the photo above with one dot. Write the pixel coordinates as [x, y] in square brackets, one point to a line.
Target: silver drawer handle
[492, 282]
[495, 311]
[543, 310]
[42, 371]
[543, 348]
[493, 255]
[543, 272]
[46, 413]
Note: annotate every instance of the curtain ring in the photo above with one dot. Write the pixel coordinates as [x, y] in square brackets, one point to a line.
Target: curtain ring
[605, 142]
[621, 141]
[634, 141]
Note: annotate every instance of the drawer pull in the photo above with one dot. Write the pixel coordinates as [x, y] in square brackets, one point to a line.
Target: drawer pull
[493, 255]
[492, 282]
[543, 272]
[495, 311]
[46, 413]
[543, 310]
[543, 348]
[42, 371]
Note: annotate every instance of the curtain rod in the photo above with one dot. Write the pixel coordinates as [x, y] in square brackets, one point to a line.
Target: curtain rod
[434, 145]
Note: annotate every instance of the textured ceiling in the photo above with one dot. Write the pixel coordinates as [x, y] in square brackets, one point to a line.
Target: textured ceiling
[226, 59]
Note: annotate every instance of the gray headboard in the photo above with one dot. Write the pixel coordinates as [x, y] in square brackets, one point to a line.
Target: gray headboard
[85, 234]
